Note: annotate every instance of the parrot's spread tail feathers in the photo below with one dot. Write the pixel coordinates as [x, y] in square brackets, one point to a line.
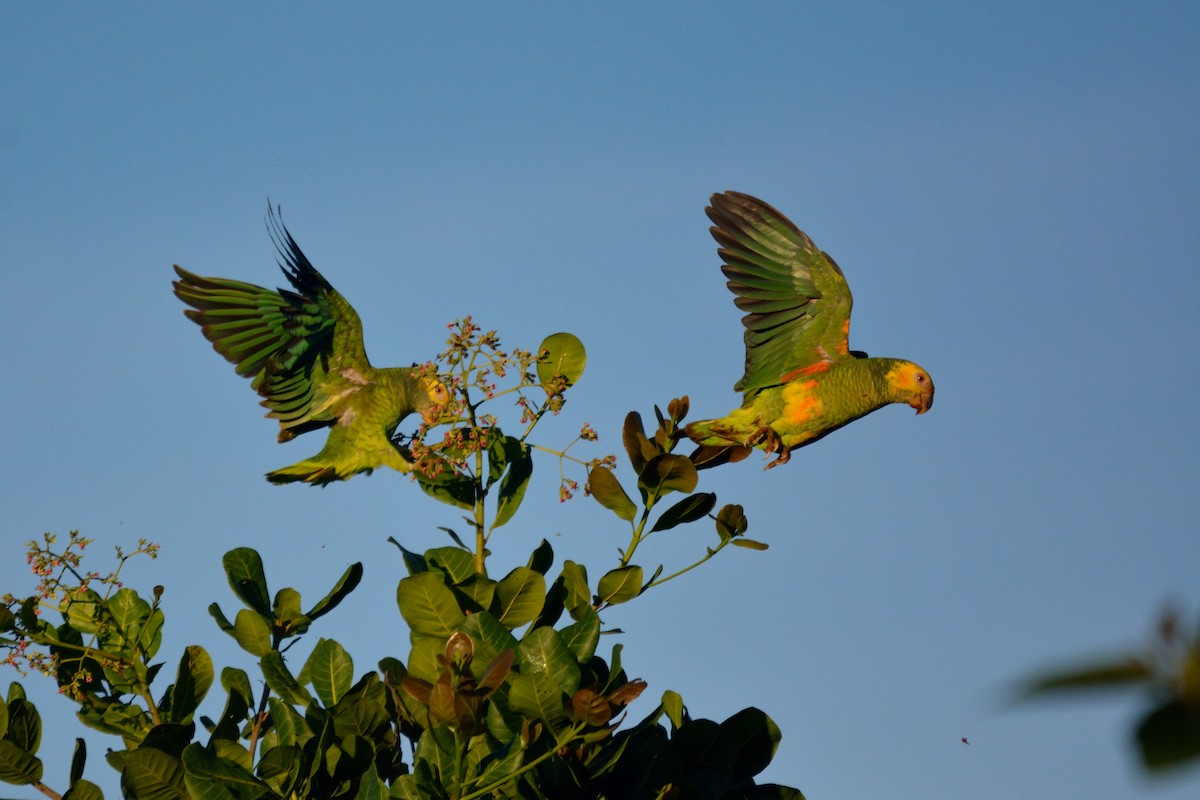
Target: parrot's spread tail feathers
[711, 432]
[308, 471]
[332, 465]
[719, 443]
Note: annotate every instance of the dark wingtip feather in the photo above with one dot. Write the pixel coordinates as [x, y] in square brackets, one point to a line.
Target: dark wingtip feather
[295, 265]
[735, 210]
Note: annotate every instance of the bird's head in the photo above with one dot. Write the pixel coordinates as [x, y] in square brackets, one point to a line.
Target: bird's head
[909, 384]
[437, 396]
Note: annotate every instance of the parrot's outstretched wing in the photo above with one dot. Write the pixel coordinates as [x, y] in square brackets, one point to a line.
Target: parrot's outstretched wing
[797, 301]
[297, 346]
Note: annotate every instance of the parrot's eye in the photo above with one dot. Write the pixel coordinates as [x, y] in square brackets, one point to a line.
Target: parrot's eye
[920, 377]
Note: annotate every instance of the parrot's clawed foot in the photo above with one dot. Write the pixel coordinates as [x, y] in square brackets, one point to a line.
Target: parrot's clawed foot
[772, 444]
[784, 455]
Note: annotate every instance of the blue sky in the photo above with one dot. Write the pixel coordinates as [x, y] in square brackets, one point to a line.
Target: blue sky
[1011, 188]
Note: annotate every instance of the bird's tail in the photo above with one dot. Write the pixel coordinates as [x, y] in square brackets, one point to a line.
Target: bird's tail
[717, 444]
[310, 471]
[710, 432]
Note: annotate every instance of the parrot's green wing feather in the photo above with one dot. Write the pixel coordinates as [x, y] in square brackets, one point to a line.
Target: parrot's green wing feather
[796, 299]
[297, 345]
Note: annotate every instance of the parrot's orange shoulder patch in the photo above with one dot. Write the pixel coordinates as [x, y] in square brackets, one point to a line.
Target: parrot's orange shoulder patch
[811, 369]
[844, 345]
[800, 402]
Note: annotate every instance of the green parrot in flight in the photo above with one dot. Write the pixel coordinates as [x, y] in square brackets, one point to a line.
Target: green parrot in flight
[303, 349]
[802, 380]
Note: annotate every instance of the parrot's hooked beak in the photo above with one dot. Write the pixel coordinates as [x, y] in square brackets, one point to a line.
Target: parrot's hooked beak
[924, 401]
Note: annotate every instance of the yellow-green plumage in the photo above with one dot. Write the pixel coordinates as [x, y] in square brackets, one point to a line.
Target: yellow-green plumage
[303, 350]
[802, 382]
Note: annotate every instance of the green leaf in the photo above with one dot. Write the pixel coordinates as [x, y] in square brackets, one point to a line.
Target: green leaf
[672, 704]
[668, 473]
[757, 738]
[405, 788]
[236, 681]
[413, 562]
[541, 559]
[244, 569]
[287, 726]
[453, 536]
[423, 657]
[1170, 736]
[1117, 674]
[122, 719]
[579, 596]
[210, 777]
[605, 487]
[582, 637]
[18, 765]
[457, 564]
[497, 455]
[701, 744]
[362, 710]
[689, 509]
[282, 768]
[78, 761]
[543, 651]
[565, 356]
[281, 681]
[519, 597]
[515, 480]
[731, 521]
[475, 593]
[438, 749]
[192, 682]
[287, 614]
[24, 725]
[169, 738]
[150, 773]
[252, 632]
[614, 664]
[223, 622]
[136, 626]
[620, 585]
[750, 544]
[428, 606]
[229, 750]
[80, 611]
[83, 790]
[538, 697]
[370, 787]
[553, 608]
[637, 446]
[504, 765]
[449, 488]
[238, 703]
[331, 671]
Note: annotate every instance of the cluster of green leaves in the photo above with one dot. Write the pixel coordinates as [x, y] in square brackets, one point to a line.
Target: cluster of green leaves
[1168, 671]
[503, 693]
[659, 472]
[506, 704]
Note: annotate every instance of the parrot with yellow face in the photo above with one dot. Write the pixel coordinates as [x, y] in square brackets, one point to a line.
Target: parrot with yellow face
[303, 350]
[802, 380]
